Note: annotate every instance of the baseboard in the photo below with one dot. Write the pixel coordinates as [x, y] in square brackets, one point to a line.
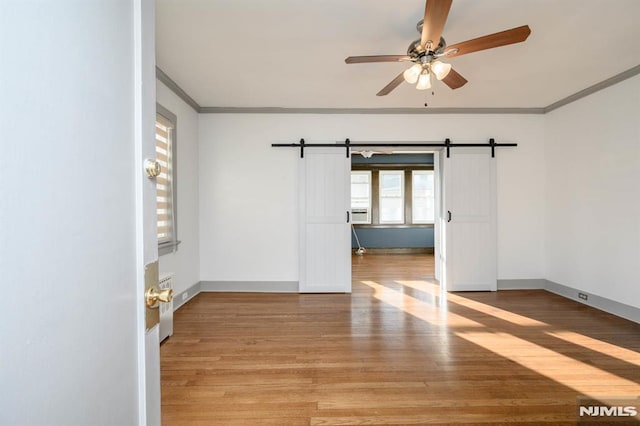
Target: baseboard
[523, 284]
[183, 297]
[250, 286]
[607, 305]
[622, 310]
[393, 250]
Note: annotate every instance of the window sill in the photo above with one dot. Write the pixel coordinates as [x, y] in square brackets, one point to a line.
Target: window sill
[389, 225]
[166, 248]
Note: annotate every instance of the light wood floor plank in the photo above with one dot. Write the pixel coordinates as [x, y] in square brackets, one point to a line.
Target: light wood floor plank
[396, 351]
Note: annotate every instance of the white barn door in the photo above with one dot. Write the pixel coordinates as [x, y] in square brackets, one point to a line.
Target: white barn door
[468, 220]
[325, 238]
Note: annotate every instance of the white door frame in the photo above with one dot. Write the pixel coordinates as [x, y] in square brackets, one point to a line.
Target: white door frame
[437, 182]
[437, 232]
[146, 237]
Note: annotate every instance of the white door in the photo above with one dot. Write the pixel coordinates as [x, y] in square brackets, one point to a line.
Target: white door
[468, 220]
[146, 221]
[325, 238]
[437, 225]
[72, 245]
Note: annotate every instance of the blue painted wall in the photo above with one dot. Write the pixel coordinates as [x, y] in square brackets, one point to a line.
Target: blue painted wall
[393, 237]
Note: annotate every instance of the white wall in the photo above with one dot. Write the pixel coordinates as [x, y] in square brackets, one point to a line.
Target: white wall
[69, 352]
[185, 262]
[248, 190]
[592, 194]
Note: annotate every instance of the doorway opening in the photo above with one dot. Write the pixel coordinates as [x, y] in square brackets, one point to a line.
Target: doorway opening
[393, 210]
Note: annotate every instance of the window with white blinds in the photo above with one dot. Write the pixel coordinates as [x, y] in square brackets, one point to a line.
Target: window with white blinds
[391, 196]
[165, 182]
[423, 196]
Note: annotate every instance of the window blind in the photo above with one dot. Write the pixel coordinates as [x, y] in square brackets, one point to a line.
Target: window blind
[423, 197]
[164, 182]
[391, 196]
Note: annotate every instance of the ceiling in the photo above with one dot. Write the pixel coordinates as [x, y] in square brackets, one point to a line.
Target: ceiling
[290, 53]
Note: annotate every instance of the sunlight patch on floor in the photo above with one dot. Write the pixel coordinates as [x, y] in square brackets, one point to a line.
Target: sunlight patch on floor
[418, 308]
[511, 317]
[496, 312]
[614, 351]
[558, 367]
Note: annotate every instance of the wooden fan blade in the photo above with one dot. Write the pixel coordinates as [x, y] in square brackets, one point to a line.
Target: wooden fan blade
[454, 80]
[377, 58]
[394, 83]
[435, 16]
[503, 38]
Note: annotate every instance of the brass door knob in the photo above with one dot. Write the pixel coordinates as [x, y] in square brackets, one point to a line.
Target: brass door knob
[153, 296]
[153, 168]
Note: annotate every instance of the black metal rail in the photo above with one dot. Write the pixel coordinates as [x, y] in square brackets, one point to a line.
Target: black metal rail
[347, 144]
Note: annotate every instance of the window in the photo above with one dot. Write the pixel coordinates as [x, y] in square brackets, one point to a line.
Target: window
[361, 197]
[422, 197]
[165, 182]
[391, 196]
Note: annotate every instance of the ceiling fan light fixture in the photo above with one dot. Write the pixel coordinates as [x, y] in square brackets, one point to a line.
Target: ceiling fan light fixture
[440, 69]
[424, 81]
[425, 51]
[412, 73]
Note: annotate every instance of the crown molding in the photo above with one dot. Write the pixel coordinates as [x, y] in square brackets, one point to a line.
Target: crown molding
[173, 86]
[631, 72]
[277, 110]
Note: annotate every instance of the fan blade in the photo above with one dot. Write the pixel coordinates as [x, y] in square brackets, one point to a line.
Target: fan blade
[389, 87]
[435, 16]
[454, 80]
[378, 58]
[503, 38]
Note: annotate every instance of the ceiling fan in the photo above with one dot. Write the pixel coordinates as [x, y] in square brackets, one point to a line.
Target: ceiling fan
[426, 52]
[368, 153]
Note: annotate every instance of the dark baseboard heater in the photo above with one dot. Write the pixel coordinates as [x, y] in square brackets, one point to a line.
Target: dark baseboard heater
[347, 144]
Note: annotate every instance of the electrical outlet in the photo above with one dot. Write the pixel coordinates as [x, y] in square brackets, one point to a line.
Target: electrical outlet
[583, 296]
[184, 296]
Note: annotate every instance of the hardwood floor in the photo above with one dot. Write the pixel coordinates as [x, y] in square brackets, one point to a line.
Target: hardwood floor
[392, 352]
